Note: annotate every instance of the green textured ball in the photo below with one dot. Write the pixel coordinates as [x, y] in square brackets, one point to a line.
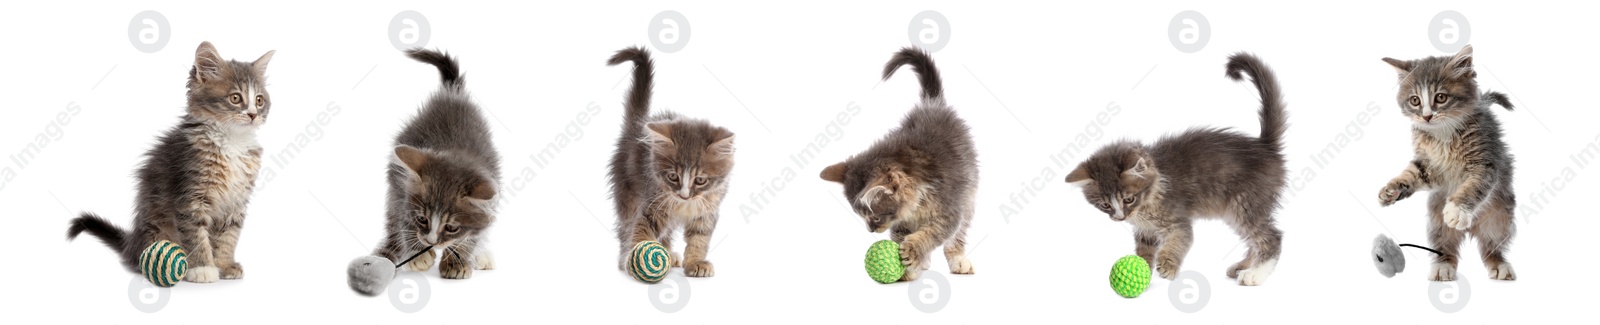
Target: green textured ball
[1130, 276]
[883, 262]
[649, 262]
[164, 263]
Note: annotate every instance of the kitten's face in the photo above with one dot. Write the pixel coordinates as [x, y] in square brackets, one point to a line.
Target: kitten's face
[877, 190]
[227, 92]
[1437, 93]
[448, 201]
[1117, 179]
[690, 157]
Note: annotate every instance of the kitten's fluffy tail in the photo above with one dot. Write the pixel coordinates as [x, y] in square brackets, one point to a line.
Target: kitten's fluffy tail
[1273, 118]
[927, 74]
[644, 72]
[1496, 97]
[109, 234]
[449, 71]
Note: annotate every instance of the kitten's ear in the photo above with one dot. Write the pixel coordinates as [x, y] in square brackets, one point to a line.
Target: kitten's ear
[1140, 169]
[260, 66]
[483, 191]
[207, 63]
[1400, 67]
[658, 133]
[723, 146]
[1461, 63]
[1079, 177]
[834, 173]
[411, 158]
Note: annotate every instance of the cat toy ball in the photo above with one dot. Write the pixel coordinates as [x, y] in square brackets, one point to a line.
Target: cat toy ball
[164, 263]
[649, 262]
[370, 274]
[1130, 276]
[1386, 255]
[883, 262]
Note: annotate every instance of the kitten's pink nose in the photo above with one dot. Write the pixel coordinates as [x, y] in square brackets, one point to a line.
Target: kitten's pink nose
[252, 115]
[1427, 118]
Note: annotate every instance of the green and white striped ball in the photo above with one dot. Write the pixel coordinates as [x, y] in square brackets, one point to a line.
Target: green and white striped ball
[1130, 276]
[164, 263]
[649, 262]
[883, 262]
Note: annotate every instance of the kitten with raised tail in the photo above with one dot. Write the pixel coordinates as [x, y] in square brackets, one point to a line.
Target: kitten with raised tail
[443, 178]
[195, 184]
[669, 172]
[1459, 156]
[919, 182]
[1204, 172]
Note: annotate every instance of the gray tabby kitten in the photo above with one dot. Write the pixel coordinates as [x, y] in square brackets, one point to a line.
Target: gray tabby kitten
[918, 182]
[195, 183]
[669, 171]
[442, 181]
[1204, 172]
[1460, 157]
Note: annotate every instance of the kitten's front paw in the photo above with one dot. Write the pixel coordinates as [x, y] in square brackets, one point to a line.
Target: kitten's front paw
[698, 269]
[201, 274]
[1257, 275]
[233, 271]
[675, 260]
[1502, 272]
[1442, 272]
[1393, 193]
[1167, 268]
[483, 260]
[454, 268]
[911, 258]
[422, 263]
[1456, 217]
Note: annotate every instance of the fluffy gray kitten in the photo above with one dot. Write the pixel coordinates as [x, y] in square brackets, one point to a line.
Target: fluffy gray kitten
[442, 181]
[1460, 157]
[1204, 172]
[195, 183]
[669, 172]
[919, 181]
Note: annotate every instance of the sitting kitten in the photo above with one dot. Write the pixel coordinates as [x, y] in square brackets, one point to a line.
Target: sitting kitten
[919, 181]
[1460, 157]
[669, 171]
[195, 183]
[442, 180]
[1203, 172]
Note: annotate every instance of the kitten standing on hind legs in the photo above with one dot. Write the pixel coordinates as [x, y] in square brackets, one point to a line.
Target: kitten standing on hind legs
[919, 182]
[668, 172]
[195, 184]
[1203, 172]
[1460, 157]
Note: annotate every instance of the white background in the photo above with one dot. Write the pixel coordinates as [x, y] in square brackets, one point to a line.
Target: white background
[1029, 77]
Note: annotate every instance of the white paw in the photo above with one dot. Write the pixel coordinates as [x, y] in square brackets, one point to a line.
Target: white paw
[1455, 217]
[1257, 275]
[202, 274]
[1442, 272]
[483, 260]
[422, 263]
[1502, 272]
[959, 264]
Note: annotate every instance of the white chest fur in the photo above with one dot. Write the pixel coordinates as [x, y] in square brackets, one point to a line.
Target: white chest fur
[237, 157]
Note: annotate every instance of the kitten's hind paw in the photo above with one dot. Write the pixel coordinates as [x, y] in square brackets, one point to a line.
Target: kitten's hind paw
[1257, 275]
[1442, 272]
[483, 260]
[232, 272]
[698, 269]
[1502, 272]
[1456, 217]
[961, 265]
[201, 274]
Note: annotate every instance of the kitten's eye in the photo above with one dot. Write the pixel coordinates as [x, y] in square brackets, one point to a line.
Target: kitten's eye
[261, 100]
[451, 228]
[1440, 98]
[421, 219]
[699, 181]
[235, 99]
[1129, 200]
[672, 177]
[1416, 101]
[1104, 206]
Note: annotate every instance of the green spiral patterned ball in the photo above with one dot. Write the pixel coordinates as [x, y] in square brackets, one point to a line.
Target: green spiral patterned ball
[164, 263]
[883, 262]
[649, 262]
[1130, 276]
